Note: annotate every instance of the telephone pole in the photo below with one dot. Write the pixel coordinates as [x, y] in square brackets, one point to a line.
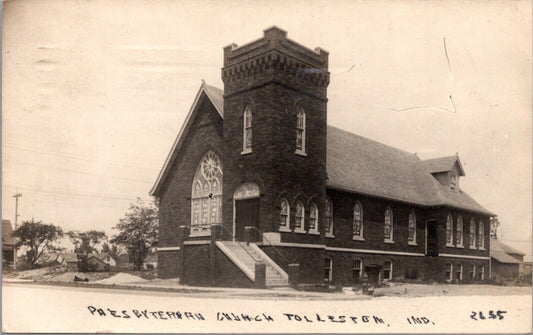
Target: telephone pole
[16, 196]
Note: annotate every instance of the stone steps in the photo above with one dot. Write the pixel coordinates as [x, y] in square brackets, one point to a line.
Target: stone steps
[248, 256]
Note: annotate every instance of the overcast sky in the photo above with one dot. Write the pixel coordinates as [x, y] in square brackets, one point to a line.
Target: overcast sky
[94, 92]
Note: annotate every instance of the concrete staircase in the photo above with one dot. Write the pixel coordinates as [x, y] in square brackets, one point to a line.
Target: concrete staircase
[245, 257]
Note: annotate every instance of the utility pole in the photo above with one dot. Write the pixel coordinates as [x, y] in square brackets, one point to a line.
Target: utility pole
[16, 196]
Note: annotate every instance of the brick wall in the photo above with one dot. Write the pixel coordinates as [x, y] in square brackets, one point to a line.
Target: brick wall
[373, 218]
[310, 260]
[175, 205]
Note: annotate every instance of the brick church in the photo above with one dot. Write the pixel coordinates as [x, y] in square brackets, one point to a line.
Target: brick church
[259, 191]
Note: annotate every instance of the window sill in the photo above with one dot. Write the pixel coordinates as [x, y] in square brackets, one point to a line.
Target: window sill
[412, 243]
[314, 233]
[460, 246]
[301, 153]
[246, 152]
[284, 230]
[472, 248]
[299, 231]
[389, 241]
[330, 235]
[450, 246]
[357, 238]
[482, 248]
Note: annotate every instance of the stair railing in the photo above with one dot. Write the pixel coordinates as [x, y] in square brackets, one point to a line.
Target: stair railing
[272, 245]
[239, 243]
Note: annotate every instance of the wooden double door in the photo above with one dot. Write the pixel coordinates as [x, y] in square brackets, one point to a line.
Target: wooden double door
[247, 214]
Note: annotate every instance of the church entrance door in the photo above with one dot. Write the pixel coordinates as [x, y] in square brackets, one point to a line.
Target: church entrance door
[246, 211]
[246, 214]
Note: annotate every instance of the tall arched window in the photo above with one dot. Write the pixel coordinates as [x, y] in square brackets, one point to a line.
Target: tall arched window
[472, 235]
[313, 218]
[459, 233]
[300, 130]
[481, 235]
[389, 229]
[358, 221]
[285, 214]
[299, 217]
[206, 199]
[328, 215]
[449, 231]
[247, 130]
[412, 228]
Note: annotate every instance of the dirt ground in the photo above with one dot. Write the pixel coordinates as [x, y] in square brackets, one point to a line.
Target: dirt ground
[146, 279]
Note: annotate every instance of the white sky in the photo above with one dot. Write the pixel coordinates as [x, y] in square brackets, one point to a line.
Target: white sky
[94, 92]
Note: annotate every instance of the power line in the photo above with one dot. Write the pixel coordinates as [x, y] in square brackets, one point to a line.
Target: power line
[101, 196]
[81, 172]
[70, 156]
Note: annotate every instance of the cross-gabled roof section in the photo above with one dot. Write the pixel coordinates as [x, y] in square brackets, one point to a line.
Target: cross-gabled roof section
[360, 165]
[215, 96]
[443, 164]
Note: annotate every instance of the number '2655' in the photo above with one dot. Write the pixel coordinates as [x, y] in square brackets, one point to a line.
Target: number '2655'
[480, 316]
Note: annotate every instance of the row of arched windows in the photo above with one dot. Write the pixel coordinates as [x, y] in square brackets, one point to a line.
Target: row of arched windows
[299, 217]
[248, 129]
[459, 234]
[358, 222]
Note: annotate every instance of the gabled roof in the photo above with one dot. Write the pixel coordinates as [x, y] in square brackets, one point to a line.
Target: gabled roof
[443, 164]
[7, 231]
[213, 94]
[360, 165]
[499, 246]
[498, 251]
[70, 257]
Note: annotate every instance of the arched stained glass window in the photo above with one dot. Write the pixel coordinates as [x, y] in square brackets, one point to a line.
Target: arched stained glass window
[449, 231]
[481, 235]
[412, 228]
[300, 215]
[358, 220]
[313, 218]
[328, 215]
[389, 229]
[472, 235]
[459, 232]
[206, 199]
[284, 214]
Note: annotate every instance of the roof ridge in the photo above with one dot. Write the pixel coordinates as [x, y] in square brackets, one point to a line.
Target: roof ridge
[375, 141]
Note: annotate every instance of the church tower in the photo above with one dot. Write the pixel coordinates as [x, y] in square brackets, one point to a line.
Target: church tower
[275, 133]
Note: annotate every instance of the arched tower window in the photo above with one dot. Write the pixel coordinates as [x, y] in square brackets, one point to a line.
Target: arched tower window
[300, 130]
[247, 130]
[412, 228]
[357, 221]
[206, 195]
